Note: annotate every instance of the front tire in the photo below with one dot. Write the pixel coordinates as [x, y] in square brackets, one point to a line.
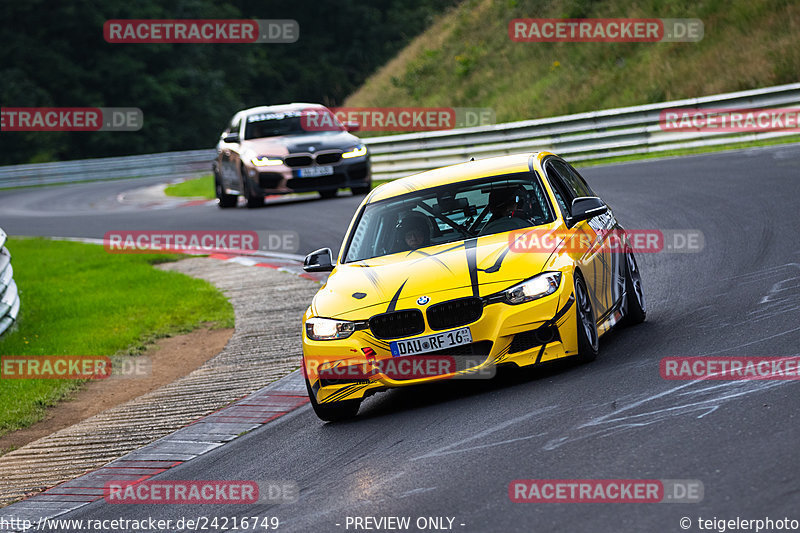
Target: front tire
[252, 198]
[333, 412]
[588, 339]
[224, 200]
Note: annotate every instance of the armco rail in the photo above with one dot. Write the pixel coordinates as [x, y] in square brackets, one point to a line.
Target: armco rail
[582, 136]
[579, 137]
[166, 165]
[9, 296]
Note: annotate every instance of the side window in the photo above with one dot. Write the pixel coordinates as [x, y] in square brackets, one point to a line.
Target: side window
[580, 182]
[577, 187]
[235, 126]
[562, 193]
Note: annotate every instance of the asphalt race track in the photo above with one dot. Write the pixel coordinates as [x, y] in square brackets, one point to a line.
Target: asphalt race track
[92, 209]
[451, 450]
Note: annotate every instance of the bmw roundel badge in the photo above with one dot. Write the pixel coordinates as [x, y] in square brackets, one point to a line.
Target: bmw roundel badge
[422, 300]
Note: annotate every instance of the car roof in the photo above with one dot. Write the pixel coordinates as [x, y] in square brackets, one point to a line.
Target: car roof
[279, 108]
[471, 170]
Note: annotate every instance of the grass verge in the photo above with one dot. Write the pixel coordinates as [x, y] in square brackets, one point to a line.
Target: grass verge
[77, 299]
[202, 187]
[467, 59]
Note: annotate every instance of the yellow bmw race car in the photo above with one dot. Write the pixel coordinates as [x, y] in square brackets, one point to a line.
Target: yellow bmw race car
[451, 272]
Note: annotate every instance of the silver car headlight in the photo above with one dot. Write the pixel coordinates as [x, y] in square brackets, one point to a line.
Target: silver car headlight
[327, 329]
[537, 287]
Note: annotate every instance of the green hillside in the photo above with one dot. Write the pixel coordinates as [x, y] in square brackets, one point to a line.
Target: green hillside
[466, 58]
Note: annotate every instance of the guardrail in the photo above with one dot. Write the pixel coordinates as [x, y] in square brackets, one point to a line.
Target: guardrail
[166, 165]
[9, 295]
[579, 137]
[582, 136]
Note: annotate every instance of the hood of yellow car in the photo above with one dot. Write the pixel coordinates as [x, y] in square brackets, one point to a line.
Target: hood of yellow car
[475, 267]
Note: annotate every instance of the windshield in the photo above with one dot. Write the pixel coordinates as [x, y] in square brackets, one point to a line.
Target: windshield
[290, 123]
[450, 213]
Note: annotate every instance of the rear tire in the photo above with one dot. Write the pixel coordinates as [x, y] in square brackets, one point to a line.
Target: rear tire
[636, 308]
[224, 200]
[329, 193]
[252, 199]
[333, 412]
[588, 340]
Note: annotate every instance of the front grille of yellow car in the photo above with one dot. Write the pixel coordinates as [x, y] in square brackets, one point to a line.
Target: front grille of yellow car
[454, 313]
[396, 324]
[534, 337]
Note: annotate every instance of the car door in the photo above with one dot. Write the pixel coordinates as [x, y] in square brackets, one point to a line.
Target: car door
[593, 261]
[606, 224]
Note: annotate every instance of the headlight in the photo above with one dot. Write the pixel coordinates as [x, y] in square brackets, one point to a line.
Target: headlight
[326, 329]
[266, 161]
[358, 151]
[534, 288]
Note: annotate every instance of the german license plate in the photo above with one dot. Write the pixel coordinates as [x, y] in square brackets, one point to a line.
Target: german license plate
[311, 172]
[431, 343]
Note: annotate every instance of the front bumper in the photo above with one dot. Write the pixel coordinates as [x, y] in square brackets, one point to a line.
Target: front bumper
[284, 180]
[523, 335]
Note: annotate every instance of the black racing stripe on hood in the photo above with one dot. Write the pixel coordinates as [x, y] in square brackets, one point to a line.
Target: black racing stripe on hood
[367, 270]
[393, 302]
[470, 245]
[429, 256]
[456, 247]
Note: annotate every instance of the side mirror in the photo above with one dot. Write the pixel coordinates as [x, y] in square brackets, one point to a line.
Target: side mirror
[352, 126]
[318, 261]
[584, 208]
[231, 138]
